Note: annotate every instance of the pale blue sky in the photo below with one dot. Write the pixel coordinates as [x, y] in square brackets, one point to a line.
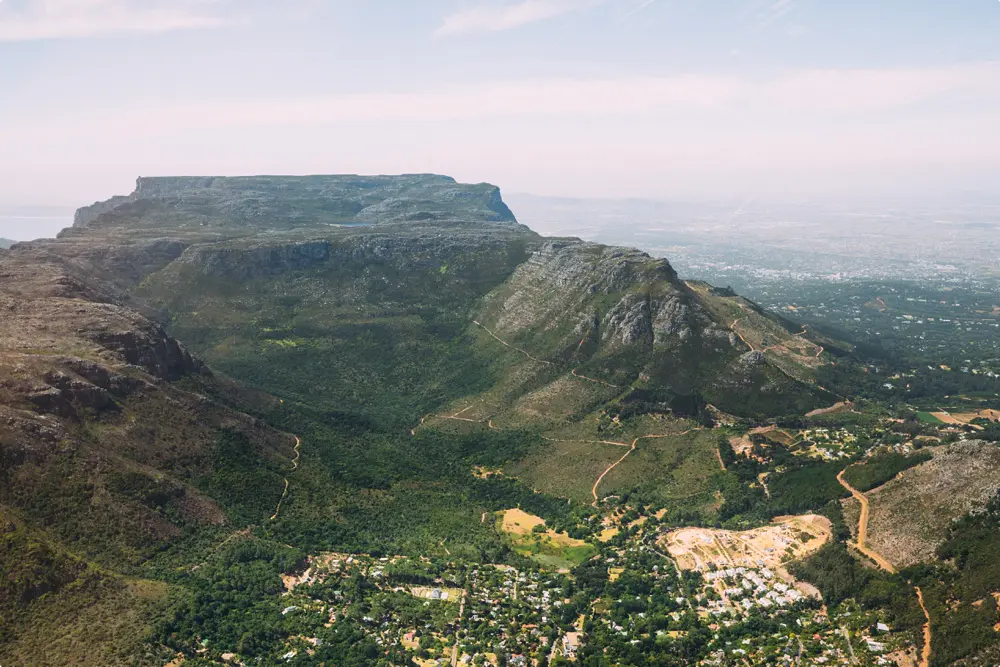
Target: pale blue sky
[611, 98]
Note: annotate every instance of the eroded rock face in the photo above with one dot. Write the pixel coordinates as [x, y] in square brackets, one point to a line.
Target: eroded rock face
[672, 317]
[151, 349]
[113, 382]
[629, 321]
[653, 308]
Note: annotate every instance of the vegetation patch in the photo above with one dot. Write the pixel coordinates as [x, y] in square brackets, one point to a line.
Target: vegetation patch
[881, 468]
[533, 539]
[912, 514]
[928, 418]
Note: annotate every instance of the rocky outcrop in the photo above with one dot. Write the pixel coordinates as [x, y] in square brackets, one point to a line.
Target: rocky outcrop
[150, 348]
[87, 214]
[624, 296]
[629, 321]
[108, 380]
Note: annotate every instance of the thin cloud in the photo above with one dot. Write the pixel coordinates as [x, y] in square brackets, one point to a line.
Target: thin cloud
[799, 95]
[638, 8]
[766, 13]
[499, 17]
[64, 19]
[776, 11]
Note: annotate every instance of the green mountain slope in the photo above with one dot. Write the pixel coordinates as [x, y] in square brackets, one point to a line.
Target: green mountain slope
[407, 330]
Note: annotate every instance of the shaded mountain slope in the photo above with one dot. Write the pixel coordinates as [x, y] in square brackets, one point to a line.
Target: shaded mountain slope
[360, 305]
[107, 455]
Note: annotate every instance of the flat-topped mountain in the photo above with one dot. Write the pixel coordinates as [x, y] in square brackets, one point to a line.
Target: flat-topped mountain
[273, 203]
[350, 311]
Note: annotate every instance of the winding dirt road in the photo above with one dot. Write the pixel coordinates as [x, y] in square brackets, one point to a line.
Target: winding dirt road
[506, 344]
[863, 526]
[925, 657]
[604, 474]
[295, 466]
[925, 654]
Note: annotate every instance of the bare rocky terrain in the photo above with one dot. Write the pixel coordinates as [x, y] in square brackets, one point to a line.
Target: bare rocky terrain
[910, 515]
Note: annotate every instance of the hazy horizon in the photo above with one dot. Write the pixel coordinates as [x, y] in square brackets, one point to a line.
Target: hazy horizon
[656, 99]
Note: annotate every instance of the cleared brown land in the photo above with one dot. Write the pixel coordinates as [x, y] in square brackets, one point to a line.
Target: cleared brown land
[791, 537]
[946, 418]
[519, 522]
[966, 417]
[741, 444]
[774, 434]
[910, 515]
[837, 407]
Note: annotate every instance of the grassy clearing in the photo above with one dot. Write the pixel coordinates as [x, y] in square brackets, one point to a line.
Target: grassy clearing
[673, 468]
[566, 469]
[531, 538]
[928, 418]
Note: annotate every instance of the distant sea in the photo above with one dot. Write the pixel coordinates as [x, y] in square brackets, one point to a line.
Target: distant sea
[29, 227]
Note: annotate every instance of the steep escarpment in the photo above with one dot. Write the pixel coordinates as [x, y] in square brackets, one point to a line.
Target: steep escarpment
[105, 458]
[360, 305]
[291, 267]
[189, 204]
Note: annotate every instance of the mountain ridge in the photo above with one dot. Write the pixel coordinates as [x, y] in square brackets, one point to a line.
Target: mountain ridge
[120, 336]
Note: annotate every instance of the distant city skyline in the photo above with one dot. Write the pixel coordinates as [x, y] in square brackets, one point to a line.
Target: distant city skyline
[655, 99]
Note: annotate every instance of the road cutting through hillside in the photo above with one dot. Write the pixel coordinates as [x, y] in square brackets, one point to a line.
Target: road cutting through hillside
[925, 654]
[925, 658]
[542, 361]
[863, 526]
[295, 466]
[506, 344]
[732, 327]
[625, 456]
[590, 442]
[584, 377]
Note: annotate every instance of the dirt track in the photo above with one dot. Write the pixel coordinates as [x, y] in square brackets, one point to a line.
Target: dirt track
[718, 454]
[925, 654]
[625, 456]
[506, 344]
[584, 377]
[295, 466]
[863, 526]
[925, 658]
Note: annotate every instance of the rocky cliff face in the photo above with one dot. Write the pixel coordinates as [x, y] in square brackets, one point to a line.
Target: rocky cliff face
[617, 296]
[89, 412]
[197, 206]
[183, 244]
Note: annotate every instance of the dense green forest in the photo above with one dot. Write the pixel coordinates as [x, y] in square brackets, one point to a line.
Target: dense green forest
[961, 591]
[881, 468]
